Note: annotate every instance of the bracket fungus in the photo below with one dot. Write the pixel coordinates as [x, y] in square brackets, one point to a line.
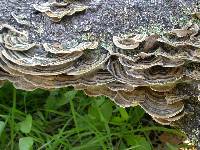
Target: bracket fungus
[128, 42]
[56, 11]
[14, 39]
[116, 54]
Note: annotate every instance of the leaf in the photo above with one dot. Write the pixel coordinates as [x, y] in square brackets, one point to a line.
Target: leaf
[57, 99]
[25, 143]
[93, 113]
[99, 100]
[122, 145]
[100, 110]
[70, 94]
[117, 120]
[171, 147]
[137, 114]
[26, 125]
[138, 142]
[2, 126]
[106, 110]
[123, 113]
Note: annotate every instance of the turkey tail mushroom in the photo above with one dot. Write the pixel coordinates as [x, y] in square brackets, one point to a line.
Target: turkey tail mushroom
[156, 105]
[57, 48]
[13, 39]
[146, 62]
[56, 11]
[91, 60]
[128, 42]
[196, 14]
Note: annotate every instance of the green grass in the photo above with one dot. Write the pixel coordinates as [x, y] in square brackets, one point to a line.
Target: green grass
[66, 119]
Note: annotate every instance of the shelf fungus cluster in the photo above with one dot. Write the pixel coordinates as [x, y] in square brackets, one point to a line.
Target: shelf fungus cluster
[56, 11]
[156, 72]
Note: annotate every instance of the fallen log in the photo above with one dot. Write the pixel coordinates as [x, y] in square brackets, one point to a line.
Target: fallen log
[136, 52]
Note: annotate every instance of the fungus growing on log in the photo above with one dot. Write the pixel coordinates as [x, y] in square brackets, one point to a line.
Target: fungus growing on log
[14, 39]
[129, 42]
[62, 49]
[104, 49]
[56, 11]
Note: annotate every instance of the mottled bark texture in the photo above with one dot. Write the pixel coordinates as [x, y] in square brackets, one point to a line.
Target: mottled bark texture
[136, 52]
